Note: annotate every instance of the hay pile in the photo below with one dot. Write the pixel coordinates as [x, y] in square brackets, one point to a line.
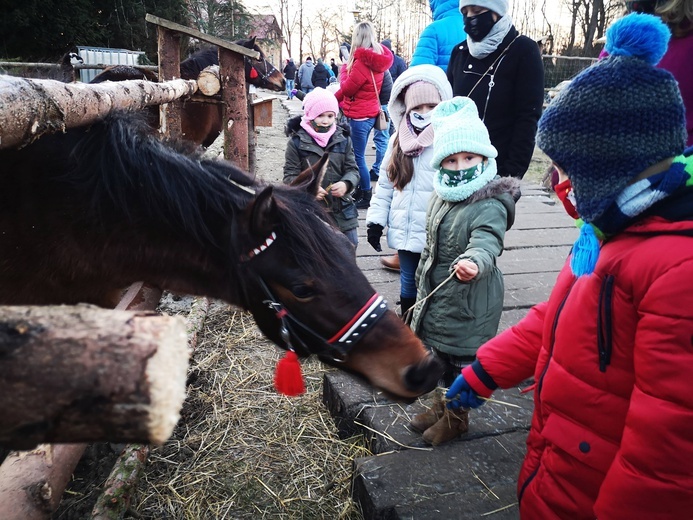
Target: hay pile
[240, 449]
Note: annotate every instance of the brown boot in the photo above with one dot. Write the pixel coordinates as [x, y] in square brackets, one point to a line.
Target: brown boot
[390, 262]
[423, 421]
[451, 425]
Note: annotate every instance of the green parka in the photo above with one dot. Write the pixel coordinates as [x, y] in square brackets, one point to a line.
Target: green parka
[302, 151]
[461, 316]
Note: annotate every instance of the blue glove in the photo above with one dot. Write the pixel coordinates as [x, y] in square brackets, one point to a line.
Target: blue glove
[461, 395]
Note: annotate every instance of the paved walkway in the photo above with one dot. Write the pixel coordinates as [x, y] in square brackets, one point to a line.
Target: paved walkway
[474, 476]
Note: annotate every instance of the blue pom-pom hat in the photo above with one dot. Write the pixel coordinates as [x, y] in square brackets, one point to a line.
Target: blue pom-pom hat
[616, 118]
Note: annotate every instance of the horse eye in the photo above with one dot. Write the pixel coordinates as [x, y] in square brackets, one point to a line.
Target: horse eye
[302, 292]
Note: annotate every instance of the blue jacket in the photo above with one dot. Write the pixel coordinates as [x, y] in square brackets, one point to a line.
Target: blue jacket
[441, 35]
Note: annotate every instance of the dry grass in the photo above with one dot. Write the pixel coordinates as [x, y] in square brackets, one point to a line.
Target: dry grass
[240, 449]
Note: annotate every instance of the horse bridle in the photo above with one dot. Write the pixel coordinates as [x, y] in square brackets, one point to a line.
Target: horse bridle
[337, 347]
[269, 69]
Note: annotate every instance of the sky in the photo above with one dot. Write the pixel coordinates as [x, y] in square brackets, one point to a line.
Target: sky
[556, 12]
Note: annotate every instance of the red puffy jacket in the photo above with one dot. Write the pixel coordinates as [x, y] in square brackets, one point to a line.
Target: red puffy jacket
[612, 357]
[356, 95]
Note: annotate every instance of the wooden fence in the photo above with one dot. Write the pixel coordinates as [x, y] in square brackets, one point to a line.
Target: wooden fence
[32, 482]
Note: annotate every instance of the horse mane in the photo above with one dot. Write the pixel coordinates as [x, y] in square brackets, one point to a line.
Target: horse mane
[191, 67]
[141, 177]
[162, 181]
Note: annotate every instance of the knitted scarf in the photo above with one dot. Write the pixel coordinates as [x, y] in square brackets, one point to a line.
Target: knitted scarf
[413, 144]
[321, 138]
[457, 186]
[480, 50]
[634, 200]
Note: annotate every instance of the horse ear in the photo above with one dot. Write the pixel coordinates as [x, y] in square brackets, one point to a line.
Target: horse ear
[252, 42]
[263, 213]
[310, 179]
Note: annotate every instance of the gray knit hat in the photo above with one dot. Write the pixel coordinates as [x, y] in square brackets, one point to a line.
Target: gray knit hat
[499, 7]
[616, 118]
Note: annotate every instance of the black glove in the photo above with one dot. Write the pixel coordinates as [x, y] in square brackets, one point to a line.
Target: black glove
[375, 231]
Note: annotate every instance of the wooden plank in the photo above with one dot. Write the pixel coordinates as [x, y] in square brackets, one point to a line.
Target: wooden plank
[169, 68]
[162, 22]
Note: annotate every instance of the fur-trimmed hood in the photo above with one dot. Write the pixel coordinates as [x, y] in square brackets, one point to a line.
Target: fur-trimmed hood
[430, 73]
[505, 189]
[374, 61]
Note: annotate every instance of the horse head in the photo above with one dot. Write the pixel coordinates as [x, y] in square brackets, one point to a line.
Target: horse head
[307, 294]
[260, 72]
[101, 207]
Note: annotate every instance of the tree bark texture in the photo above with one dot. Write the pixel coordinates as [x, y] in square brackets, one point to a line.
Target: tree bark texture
[31, 107]
[114, 502]
[83, 374]
[32, 482]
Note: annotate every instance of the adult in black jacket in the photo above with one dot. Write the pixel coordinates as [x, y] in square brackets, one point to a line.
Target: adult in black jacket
[502, 72]
[321, 76]
[398, 64]
[289, 72]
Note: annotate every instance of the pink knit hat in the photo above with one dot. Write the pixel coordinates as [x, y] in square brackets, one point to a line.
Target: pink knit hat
[421, 93]
[318, 101]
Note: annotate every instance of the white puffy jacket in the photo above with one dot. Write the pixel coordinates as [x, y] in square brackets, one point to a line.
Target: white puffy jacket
[404, 212]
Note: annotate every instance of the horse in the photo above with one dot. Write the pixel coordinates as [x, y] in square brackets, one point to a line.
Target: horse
[202, 122]
[86, 213]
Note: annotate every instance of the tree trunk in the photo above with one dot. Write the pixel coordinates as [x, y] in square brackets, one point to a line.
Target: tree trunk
[114, 502]
[32, 482]
[79, 374]
[32, 107]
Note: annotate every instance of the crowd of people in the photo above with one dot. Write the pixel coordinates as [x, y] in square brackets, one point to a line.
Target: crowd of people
[610, 350]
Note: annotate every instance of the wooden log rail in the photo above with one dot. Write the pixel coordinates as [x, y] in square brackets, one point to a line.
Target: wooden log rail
[29, 108]
[104, 375]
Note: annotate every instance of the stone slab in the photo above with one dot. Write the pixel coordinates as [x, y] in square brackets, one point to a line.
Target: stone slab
[457, 481]
[533, 259]
[385, 424]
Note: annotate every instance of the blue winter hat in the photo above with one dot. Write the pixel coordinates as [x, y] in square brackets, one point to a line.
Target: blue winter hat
[616, 118]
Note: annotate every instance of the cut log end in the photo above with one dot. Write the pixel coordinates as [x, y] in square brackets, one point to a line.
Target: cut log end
[167, 374]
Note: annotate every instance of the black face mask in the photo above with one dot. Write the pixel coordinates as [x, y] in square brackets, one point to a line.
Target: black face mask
[478, 27]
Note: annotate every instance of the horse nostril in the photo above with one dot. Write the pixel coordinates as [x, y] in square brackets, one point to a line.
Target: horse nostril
[424, 376]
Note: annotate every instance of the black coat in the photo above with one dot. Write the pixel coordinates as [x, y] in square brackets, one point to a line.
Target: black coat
[515, 102]
[321, 76]
[386, 88]
[290, 70]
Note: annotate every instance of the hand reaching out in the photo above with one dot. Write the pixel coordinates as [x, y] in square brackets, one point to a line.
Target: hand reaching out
[466, 270]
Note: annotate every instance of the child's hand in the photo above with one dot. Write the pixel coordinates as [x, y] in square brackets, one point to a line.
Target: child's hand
[339, 189]
[466, 270]
[322, 193]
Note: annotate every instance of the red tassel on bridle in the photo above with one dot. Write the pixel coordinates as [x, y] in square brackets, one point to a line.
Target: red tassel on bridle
[288, 379]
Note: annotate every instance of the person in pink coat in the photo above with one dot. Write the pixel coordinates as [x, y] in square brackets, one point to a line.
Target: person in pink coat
[611, 351]
[360, 81]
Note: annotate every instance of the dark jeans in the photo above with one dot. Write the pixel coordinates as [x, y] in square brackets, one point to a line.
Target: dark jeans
[408, 262]
[360, 130]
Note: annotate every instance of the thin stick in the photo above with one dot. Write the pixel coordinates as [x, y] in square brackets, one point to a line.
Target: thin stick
[484, 484]
[499, 509]
[389, 438]
[488, 399]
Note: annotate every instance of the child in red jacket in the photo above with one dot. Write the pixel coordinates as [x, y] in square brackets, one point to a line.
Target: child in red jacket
[610, 351]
